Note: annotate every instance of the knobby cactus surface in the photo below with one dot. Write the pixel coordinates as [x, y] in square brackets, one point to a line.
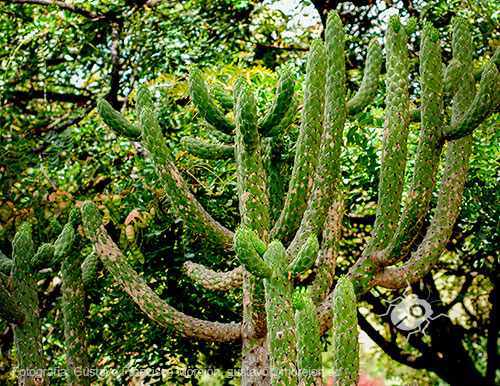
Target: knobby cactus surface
[19, 296]
[277, 239]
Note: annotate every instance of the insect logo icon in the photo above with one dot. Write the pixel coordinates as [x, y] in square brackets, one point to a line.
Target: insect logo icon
[411, 314]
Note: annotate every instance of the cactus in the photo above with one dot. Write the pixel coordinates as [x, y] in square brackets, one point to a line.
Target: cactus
[277, 240]
[345, 334]
[19, 293]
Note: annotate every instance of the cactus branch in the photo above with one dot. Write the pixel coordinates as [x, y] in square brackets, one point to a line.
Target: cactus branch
[308, 143]
[5, 264]
[369, 84]
[10, 310]
[280, 105]
[428, 152]
[156, 309]
[218, 281]
[207, 108]
[393, 159]
[174, 185]
[326, 179]
[116, 121]
[206, 150]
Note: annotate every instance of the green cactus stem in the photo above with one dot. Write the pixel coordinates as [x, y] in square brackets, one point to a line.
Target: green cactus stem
[73, 297]
[369, 84]
[254, 202]
[207, 108]
[246, 245]
[206, 150]
[305, 258]
[486, 100]
[222, 96]
[272, 266]
[308, 143]
[394, 149]
[64, 243]
[345, 334]
[218, 135]
[151, 304]
[455, 172]
[280, 318]
[27, 336]
[10, 310]
[428, 151]
[5, 264]
[216, 281]
[327, 259]
[280, 105]
[44, 256]
[89, 269]
[326, 178]
[174, 185]
[308, 342]
[116, 121]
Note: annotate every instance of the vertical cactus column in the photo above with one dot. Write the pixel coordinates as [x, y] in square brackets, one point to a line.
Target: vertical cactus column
[19, 292]
[27, 335]
[73, 296]
[270, 263]
[308, 345]
[345, 334]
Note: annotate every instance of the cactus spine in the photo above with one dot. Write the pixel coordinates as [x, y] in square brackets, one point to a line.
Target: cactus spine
[277, 238]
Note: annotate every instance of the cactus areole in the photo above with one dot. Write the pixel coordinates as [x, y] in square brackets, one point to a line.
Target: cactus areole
[277, 240]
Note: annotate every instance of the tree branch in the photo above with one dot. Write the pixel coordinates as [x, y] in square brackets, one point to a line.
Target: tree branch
[63, 5]
[48, 95]
[390, 348]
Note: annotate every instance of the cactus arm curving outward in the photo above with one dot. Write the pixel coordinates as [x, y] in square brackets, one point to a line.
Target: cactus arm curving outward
[280, 106]
[305, 258]
[455, 172]
[5, 264]
[116, 121]
[345, 334]
[428, 151]
[206, 150]
[486, 101]
[218, 135]
[43, 256]
[221, 95]
[369, 84]
[307, 342]
[218, 281]
[287, 119]
[308, 144]
[174, 185]
[394, 149]
[63, 243]
[156, 309]
[203, 101]
[327, 177]
[246, 246]
[10, 310]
